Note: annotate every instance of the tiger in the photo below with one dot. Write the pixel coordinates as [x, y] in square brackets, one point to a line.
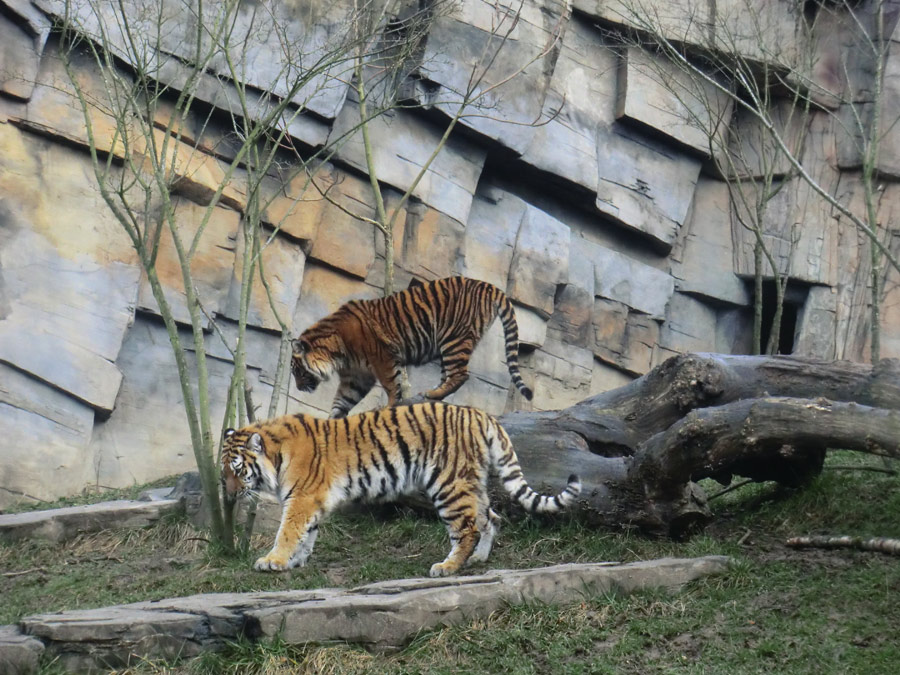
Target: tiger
[443, 451]
[368, 340]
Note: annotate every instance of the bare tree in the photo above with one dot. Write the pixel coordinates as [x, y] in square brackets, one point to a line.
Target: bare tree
[746, 66]
[168, 67]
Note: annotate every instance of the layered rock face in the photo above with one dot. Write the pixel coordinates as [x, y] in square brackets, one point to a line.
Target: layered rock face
[605, 224]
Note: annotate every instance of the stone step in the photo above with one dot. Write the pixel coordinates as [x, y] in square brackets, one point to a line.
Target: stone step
[69, 522]
[19, 653]
[381, 615]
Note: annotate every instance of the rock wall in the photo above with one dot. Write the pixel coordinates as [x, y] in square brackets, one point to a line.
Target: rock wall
[605, 225]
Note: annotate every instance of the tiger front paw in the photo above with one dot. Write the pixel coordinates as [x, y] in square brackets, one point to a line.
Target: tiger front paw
[441, 570]
[271, 563]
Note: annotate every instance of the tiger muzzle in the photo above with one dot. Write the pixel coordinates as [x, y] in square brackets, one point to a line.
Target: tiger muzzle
[233, 486]
[306, 381]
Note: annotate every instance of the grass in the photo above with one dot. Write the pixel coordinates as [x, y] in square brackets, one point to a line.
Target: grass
[90, 496]
[778, 610]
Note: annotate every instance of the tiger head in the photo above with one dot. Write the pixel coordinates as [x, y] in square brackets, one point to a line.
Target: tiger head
[312, 362]
[245, 467]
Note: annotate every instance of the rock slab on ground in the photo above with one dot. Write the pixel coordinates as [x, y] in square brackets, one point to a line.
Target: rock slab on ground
[380, 615]
[19, 653]
[66, 523]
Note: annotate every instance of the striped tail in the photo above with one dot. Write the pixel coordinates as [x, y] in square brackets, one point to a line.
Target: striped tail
[511, 332]
[504, 460]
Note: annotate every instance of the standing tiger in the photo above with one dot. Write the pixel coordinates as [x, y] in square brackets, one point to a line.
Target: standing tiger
[365, 340]
[444, 451]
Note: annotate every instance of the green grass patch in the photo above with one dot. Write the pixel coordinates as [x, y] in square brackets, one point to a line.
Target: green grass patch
[91, 496]
[777, 610]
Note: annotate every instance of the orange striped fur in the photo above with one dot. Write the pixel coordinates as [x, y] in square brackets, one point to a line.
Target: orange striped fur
[369, 340]
[442, 451]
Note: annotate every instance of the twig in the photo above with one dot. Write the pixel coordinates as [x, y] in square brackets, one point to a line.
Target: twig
[879, 544]
[744, 537]
[197, 539]
[888, 470]
[9, 575]
[730, 488]
[95, 558]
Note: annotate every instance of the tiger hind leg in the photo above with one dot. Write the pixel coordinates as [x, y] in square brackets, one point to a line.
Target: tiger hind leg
[392, 375]
[454, 366]
[304, 548]
[486, 542]
[461, 520]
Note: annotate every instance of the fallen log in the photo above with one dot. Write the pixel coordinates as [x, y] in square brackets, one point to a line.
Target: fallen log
[640, 449]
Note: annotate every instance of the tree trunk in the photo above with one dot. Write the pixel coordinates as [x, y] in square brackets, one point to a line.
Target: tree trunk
[639, 448]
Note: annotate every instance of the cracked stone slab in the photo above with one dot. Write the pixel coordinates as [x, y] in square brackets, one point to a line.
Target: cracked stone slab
[283, 262]
[540, 260]
[19, 653]
[643, 184]
[22, 41]
[619, 277]
[149, 419]
[46, 434]
[581, 97]
[513, 81]
[690, 325]
[69, 282]
[390, 613]
[265, 52]
[380, 615]
[402, 145]
[561, 374]
[703, 258]
[210, 266]
[684, 20]
[66, 523]
[655, 93]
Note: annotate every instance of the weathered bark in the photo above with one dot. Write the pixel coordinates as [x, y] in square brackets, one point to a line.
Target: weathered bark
[638, 449]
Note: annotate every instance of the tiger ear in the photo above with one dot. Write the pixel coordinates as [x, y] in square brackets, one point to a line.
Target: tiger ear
[413, 282]
[255, 443]
[229, 432]
[301, 346]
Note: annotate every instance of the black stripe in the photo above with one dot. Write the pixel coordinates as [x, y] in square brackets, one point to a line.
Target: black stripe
[453, 497]
[404, 448]
[434, 474]
[368, 433]
[385, 458]
[456, 513]
[348, 488]
[445, 490]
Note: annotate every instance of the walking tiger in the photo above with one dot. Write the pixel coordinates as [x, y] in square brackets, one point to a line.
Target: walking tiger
[368, 340]
[444, 451]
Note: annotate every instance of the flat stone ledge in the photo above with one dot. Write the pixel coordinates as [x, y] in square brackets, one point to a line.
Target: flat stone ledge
[382, 615]
[19, 653]
[69, 522]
